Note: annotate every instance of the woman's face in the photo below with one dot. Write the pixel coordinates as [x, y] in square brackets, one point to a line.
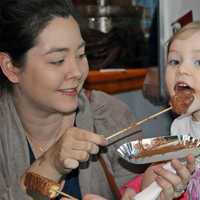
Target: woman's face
[183, 68]
[56, 68]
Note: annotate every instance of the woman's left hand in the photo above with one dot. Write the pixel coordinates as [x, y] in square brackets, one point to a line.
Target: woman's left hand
[173, 185]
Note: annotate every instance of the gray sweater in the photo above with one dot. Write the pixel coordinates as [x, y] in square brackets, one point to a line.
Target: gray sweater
[104, 114]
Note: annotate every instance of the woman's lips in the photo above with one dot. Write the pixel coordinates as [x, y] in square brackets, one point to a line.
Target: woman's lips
[69, 92]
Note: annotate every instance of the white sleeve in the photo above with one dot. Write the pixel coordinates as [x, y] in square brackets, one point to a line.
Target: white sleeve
[174, 128]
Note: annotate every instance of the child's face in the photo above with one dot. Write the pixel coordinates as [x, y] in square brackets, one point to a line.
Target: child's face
[183, 67]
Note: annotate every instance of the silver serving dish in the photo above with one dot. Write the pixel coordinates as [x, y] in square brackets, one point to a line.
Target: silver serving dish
[158, 149]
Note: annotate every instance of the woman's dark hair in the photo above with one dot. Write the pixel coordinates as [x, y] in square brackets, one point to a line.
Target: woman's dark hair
[20, 23]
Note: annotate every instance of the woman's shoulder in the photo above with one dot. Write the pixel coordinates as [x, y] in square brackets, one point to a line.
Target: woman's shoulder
[110, 113]
[3, 104]
[7, 110]
[101, 100]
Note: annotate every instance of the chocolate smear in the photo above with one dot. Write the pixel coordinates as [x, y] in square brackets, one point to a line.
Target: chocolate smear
[182, 100]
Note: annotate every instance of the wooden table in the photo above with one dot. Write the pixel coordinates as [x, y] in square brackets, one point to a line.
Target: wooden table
[116, 81]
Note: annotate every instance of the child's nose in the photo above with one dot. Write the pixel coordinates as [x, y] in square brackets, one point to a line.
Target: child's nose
[184, 68]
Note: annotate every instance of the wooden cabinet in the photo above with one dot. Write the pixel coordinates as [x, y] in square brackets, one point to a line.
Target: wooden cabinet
[116, 81]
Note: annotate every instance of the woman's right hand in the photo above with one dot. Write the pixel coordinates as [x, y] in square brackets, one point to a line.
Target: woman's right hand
[73, 147]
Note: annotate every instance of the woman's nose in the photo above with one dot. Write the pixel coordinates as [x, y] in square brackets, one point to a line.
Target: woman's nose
[72, 69]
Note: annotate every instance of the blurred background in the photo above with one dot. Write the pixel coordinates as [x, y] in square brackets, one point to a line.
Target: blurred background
[117, 32]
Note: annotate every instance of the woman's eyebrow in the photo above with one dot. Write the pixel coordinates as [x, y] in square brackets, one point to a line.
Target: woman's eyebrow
[56, 49]
[60, 49]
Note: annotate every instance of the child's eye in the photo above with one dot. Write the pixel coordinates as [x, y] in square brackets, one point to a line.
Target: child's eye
[197, 62]
[59, 62]
[173, 62]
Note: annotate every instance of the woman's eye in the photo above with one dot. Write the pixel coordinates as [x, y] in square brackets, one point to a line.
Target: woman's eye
[83, 55]
[59, 62]
[173, 62]
[197, 62]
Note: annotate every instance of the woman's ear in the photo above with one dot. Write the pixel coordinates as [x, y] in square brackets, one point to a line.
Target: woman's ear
[8, 69]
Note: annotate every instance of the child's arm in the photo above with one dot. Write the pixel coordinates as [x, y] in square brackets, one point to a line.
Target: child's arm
[136, 185]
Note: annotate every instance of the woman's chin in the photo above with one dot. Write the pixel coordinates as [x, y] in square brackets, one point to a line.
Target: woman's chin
[67, 109]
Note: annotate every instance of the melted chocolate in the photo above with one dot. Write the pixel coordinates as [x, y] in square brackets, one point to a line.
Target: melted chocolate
[181, 101]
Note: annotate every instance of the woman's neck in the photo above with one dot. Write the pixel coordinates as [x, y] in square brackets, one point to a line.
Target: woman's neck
[43, 126]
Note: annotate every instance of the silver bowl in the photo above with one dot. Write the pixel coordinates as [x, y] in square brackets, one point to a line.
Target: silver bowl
[159, 149]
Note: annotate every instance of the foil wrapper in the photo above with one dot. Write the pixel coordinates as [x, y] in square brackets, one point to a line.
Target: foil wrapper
[159, 149]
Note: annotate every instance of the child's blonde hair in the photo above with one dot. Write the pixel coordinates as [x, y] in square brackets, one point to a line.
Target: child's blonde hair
[185, 32]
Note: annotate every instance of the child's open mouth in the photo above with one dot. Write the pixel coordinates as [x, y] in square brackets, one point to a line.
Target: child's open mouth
[183, 98]
[183, 87]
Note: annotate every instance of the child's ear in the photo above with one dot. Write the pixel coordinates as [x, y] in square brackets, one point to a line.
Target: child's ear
[8, 69]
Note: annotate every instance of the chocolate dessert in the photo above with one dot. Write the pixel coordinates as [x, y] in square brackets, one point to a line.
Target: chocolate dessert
[182, 100]
[161, 146]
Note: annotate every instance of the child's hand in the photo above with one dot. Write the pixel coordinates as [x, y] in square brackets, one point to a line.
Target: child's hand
[173, 185]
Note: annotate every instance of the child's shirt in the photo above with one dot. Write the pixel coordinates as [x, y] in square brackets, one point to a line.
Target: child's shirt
[184, 125]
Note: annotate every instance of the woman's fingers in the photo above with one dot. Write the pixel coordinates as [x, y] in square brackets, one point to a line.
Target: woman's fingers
[86, 146]
[76, 145]
[83, 135]
[70, 164]
[72, 161]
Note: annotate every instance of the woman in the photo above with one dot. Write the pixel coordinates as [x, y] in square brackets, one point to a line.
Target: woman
[47, 122]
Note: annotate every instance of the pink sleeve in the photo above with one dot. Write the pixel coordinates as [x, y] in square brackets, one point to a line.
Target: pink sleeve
[184, 196]
[136, 183]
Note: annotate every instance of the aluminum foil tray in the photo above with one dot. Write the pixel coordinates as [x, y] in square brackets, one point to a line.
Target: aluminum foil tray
[158, 149]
